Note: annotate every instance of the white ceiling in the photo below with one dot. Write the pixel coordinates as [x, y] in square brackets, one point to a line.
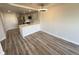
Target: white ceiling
[5, 7]
[22, 7]
[36, 5]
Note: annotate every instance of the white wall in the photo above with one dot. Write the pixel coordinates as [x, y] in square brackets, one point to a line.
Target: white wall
[2, 33]
[63, 21]
[35, 17]
[10, 20]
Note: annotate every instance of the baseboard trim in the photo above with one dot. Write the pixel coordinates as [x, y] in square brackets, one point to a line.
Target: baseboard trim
[11, 28]
[30, 33]
[61, 37]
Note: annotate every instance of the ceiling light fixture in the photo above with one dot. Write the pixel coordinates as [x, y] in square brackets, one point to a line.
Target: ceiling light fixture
[9, 10]
[42, 7]
[29, 10]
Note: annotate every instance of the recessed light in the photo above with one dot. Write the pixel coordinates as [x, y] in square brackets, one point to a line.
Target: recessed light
[9, 10]
[29, 10]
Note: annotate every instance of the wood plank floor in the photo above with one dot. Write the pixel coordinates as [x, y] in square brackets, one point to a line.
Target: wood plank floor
[39, 43]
